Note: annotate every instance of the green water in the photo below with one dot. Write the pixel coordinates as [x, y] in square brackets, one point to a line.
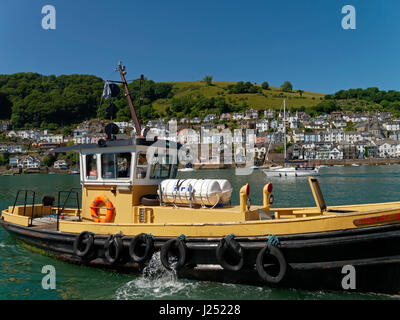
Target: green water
[20, 269]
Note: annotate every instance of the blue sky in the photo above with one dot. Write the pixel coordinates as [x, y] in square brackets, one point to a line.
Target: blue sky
[233, 40]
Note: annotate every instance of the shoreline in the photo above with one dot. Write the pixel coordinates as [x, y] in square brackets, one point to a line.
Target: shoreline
[18, 171]
[347, 162]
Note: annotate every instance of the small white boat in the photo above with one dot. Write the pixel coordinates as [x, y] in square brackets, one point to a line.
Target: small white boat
[355, 165]
[292, 172]
[297, 171]
[186, 170]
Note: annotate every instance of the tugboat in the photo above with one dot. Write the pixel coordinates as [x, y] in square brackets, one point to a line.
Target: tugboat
[132, 206]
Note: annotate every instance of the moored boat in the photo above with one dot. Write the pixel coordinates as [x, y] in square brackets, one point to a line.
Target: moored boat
[303, 170]
[187, 168]
[297, 171]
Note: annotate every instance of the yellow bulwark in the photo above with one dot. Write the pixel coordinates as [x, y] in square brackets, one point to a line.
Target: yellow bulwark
[132, 218]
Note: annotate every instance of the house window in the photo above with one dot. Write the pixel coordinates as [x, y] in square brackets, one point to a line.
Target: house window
[142, 165]
[91, 167]
[115, 165]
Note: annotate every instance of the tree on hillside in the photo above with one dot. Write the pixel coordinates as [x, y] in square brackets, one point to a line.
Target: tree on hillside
[243, 87]
[48, 160]
[287, 86]
[265, 85]
[5, 106]
[208, 80]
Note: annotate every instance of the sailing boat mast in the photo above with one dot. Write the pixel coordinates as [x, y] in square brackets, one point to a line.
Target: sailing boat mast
[284, 131]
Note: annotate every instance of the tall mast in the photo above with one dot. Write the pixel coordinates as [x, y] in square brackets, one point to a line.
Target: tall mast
[122, 72]
[284, 130]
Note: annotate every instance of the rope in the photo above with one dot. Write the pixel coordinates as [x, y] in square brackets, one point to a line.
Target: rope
[273, 240]
[229, 237]
[219, 198]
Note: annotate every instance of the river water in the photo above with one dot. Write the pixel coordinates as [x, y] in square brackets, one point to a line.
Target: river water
[20, 269]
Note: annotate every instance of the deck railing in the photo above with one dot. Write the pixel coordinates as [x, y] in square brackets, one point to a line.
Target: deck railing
[60, 211]
[26, 192]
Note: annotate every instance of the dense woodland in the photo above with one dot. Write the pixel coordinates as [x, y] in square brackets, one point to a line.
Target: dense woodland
[32, 100]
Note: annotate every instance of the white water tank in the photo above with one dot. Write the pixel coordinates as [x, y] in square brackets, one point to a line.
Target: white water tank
[207, 192]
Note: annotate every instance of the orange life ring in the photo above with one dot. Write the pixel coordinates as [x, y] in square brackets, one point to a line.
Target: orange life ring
[98, 202]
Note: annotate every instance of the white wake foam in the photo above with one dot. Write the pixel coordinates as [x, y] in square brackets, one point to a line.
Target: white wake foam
[155, 282]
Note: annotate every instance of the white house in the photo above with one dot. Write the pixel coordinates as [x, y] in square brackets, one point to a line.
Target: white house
[251, 114]
[238, 116]
[269, 114]
[60, 164]
[29, 162]
[87, 138]
[262, 125]
[335, 153]
[392, 126]
[52, 138]
[387, 149]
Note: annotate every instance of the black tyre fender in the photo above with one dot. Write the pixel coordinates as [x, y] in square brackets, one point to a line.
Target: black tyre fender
[278, 255]
[84, 244]
[150, 200]
[136, 245]
[176, 246]
[230, 249]
[113, 248]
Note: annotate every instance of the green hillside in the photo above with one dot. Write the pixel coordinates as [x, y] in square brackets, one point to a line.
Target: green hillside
[271, 98]
[32, 100]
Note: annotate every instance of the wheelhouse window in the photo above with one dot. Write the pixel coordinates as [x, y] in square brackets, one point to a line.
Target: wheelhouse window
[141, 166]
[115, 165]
[161, 168]
[91, 167]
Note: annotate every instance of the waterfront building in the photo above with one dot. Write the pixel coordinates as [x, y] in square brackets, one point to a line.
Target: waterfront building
[29, 162]
[61, 164]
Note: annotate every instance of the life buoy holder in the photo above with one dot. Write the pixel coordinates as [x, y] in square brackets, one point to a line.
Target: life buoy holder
[230, 254]
[97, 203]
[274, 273]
